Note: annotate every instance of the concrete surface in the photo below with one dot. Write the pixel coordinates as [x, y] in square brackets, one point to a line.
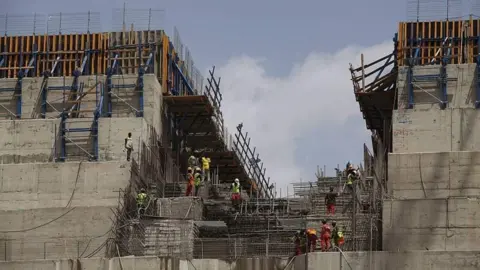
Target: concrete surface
[52, 233]
[180, 207]
[382, 260]
[379, 260]
[433, 175]
[169, 237]
[112, 133]
[460, 87]
[25, 141]
[436, 130]
[48, 185]
[431, 224]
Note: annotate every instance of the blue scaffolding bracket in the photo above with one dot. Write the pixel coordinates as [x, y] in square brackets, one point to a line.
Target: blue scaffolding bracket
[74, 88]
[93, 129]
[441, 79]
[138, 86]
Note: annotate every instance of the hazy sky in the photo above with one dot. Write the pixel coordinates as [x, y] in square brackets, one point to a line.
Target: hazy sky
[284, 67]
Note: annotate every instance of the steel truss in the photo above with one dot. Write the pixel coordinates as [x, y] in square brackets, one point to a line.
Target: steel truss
[251, 160]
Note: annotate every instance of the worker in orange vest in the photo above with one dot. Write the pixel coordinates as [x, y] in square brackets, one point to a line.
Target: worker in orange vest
[325, 236]
[190, 182]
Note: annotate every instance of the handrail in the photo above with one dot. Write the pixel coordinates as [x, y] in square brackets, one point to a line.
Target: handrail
[345, 257]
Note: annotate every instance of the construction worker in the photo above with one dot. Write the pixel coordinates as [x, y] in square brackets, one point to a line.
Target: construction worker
[303, 241]
[197, 179]
[330, 201]
[312, 239]
[236, 198]
[352, 175]
[191, 181]
[206, 168]
[337, 235]
[297, 241]
[325, 236]
[192, 161]
[141, 202]
[129, 145]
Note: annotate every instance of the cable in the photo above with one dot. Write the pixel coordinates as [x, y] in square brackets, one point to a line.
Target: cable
[75, 186]
[44, 224]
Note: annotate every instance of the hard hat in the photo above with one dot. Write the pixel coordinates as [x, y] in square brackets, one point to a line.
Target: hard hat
[198, 169]
[237, 181]
[189, 168]
[324, 221]
[334, 222]
[142, 190]
[313, 231]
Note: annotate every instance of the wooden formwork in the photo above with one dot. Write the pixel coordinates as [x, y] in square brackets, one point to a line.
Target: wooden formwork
[434, 36]
[130, 56]
[70, 50]
[131, 49]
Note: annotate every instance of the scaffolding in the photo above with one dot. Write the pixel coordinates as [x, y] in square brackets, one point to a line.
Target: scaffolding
[196, 126]
[358, 214]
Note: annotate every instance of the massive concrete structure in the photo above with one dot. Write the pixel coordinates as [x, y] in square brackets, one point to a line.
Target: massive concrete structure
[67, 192]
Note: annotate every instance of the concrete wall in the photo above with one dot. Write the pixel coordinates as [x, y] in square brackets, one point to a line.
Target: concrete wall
[27, 140]
[460, 87]
[431, 224]
[427, 128]
[45, 185]
[433, 175]
[112, 133]
[52, 233]
[181, 207]
[381, 260]
[436, 130]
[169, 237]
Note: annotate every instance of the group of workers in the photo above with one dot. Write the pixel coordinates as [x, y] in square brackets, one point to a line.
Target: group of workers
[330, 236]
[353, 174]
[196, 174]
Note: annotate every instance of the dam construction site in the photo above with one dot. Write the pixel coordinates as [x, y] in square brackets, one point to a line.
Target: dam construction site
[115, 156]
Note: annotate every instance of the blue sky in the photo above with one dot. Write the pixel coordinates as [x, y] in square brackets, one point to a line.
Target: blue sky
[284, 67]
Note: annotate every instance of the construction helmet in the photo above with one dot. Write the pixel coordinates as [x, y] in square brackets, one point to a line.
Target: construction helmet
[142, 190]
[189, 169]
[334, 223]
[237, 181]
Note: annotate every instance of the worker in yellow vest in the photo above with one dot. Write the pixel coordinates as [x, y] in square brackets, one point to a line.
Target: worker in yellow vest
[197, 179]
[206, 168]
[236, 198]
[141, 202]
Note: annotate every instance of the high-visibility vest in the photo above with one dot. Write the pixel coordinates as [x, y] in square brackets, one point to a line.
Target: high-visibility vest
[206, 163]
[198, 178]
[235, 188]
[141, 197]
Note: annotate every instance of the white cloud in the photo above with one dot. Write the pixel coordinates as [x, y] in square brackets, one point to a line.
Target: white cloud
[278, 110]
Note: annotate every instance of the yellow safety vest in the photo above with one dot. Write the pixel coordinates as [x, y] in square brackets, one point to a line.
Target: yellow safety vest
[141, 197]
[235, 188]
[206, 163]
[198, 178]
